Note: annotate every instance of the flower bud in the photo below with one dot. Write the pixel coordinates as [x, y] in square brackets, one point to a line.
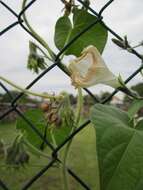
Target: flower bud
[35, 61]
[45, 106]
[90, 69]
[16, 154]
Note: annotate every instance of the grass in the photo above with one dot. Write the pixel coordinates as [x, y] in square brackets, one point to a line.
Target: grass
[82, 160]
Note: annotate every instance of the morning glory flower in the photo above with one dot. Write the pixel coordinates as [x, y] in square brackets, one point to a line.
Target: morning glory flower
[90, 69]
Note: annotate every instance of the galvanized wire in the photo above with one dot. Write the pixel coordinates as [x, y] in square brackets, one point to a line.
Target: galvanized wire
[57, 63]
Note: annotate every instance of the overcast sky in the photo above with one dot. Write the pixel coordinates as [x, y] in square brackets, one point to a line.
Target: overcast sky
[123, 16]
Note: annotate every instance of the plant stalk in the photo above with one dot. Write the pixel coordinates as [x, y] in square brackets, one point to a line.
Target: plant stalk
[35, 34]
[66, 153]
[35, 150]
[28, 92]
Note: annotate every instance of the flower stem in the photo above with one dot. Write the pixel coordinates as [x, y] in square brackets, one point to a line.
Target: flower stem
[79, 106]
[66, 153]
[52, 136]
[28, 92]
[41, 50]
[130, 93]
[35, 34]
[127, 91]
[35, 150]
[42, 41]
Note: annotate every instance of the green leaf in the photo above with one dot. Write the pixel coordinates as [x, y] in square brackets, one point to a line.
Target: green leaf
[62, 31]
[135, 107]
[119, 149]
[65, 32]
[140, 185]
[61, 133]
[36, 117]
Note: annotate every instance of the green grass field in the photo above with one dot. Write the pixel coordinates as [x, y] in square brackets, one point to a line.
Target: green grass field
[82, 160]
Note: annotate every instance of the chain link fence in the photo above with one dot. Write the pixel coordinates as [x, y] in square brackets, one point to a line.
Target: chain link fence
[14, 105]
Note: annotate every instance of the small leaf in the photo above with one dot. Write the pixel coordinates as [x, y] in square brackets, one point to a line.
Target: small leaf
[36, 117]
[64, 33]
[119, 149]
[16, 154]
[63, 29]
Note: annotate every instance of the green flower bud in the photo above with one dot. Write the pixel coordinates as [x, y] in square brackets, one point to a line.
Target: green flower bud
[35, 61]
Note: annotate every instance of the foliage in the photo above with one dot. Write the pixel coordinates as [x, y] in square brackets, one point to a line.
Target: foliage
[82, 145]
[138, 88]
[35, 61]
[119, 148]
[16, 153]
[37, 119]
[24, 99]
[65, 31]
[6, 98]
[135, 107]
[105, 95]
[88, 100]
[54, 119]
[119, 135]
[127, 100]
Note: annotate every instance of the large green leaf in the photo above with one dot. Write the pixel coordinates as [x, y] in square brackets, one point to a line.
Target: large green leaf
[140, 185]
[65, 32]
[119, 149]
[36, 117]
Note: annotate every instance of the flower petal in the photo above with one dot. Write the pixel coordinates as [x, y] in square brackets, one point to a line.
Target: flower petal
[90, 69]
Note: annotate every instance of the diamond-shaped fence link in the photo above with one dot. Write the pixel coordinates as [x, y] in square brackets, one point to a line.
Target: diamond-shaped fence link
[14, 105]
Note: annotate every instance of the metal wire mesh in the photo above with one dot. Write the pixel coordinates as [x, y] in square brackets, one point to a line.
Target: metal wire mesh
[14, 104]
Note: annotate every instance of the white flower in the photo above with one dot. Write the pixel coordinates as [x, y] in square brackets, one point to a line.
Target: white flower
[90, 69]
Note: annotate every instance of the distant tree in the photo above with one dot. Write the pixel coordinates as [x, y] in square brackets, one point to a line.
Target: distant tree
[88, 100]
[105, 95]
[7, 98]
[73, 99]
[24, 99]
[138, 88]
